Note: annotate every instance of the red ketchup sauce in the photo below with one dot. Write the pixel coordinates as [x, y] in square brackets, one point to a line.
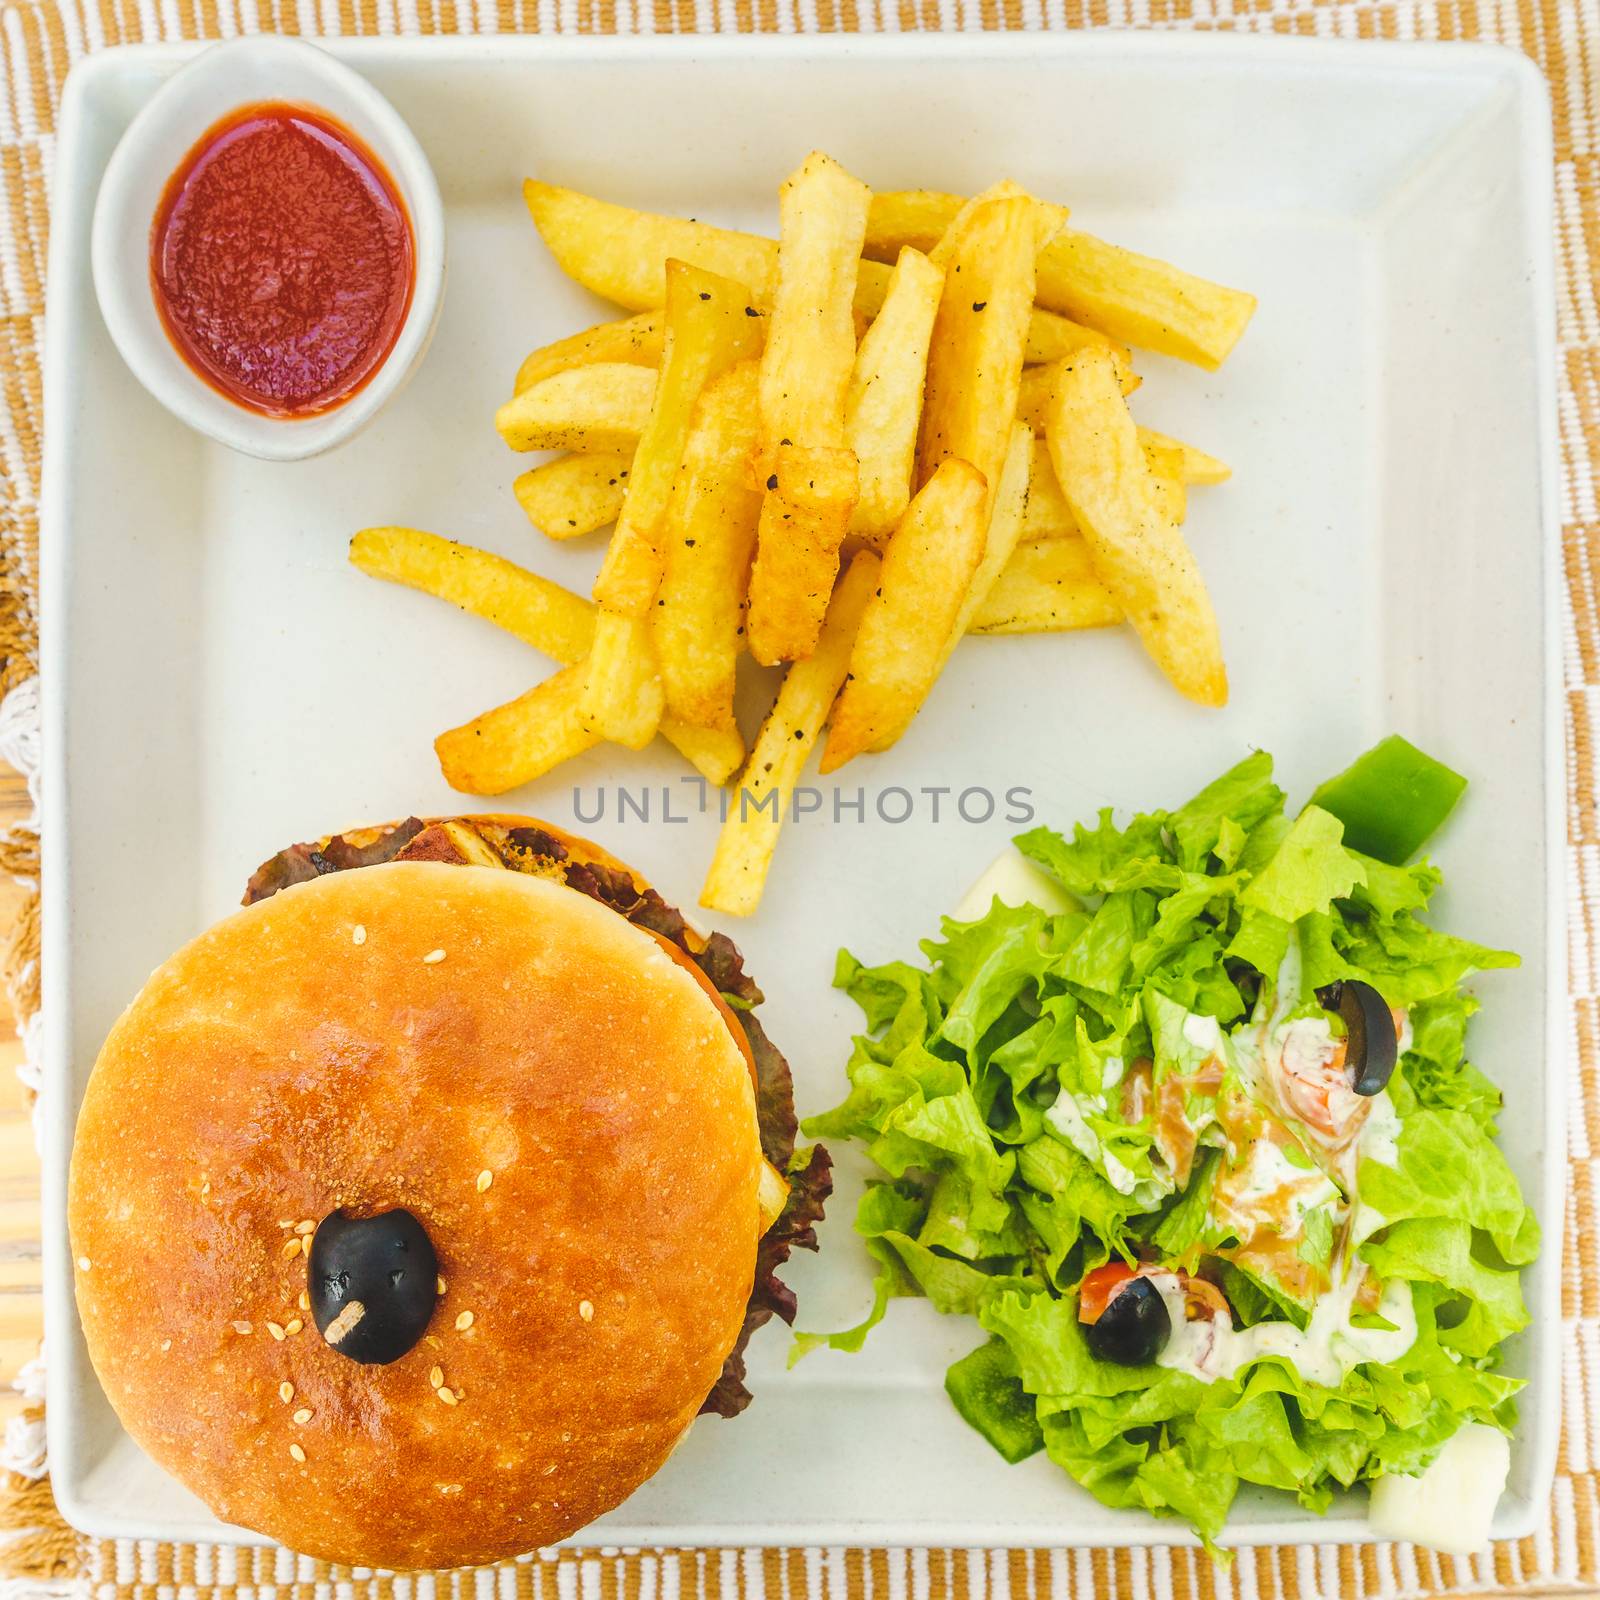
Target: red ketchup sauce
[282, 260]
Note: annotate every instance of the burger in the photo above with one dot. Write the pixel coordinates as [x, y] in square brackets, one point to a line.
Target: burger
[419, 1207]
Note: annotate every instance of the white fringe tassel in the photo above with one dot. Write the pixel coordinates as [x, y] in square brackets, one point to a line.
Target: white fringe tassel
[23, 1450]
[20, 737]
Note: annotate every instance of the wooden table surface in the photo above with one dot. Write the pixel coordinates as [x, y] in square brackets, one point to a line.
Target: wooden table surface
[21, 1301]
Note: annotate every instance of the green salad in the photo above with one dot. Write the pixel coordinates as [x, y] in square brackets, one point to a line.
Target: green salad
[1195, 1142]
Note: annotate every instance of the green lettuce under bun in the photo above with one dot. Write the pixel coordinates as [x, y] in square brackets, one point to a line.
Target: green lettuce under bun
[1149, 1077]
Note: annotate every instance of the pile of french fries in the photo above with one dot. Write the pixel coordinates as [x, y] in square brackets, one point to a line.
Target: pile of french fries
[842, 451]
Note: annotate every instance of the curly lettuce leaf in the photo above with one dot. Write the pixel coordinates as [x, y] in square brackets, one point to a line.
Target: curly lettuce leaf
[1308, 871]
[1485, 1304]
[1224, 813]
[1090, 862]
[1447, 1166]
[1005, 1088]
[1158, 1439]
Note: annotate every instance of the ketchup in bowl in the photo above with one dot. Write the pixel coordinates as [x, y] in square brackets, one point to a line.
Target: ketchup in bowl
[282, 260]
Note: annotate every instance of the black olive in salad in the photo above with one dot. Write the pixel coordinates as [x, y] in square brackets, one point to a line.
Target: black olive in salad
[1372, 1045]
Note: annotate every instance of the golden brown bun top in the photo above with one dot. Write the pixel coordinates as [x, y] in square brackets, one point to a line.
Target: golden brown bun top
[304, 1056]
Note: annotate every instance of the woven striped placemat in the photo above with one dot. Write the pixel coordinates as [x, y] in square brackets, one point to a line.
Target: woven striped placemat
[40, 40]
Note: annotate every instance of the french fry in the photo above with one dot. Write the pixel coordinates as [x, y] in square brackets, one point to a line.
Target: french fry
[902, 218]
[1139, 555]
[636, 341]
[1166, 472]
[707, 331]
[1047, 587]
[533, 609]
[979, 340]
[602, 407]
[621, 255]
[622, 694]
[1049, 220]
[933, 382]
[1053, 338]
[1140, 300]
[520, 741]
[1132, 298]
[812, 479]
[542, 614]
[811, 343]
[804, 517]
[917, 219]
[709, 540]
[1048, 515]
[716, 753]
[1000, 540]
[1038, 383]
[902, 641]
[524, 739]
[1197, 466]
[749, 837]
[884, 403]
[574, 495]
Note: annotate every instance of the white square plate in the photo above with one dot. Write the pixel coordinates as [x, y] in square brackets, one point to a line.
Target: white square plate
[220, 682]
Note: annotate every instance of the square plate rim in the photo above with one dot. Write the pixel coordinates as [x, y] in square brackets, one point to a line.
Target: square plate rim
[1479, 61]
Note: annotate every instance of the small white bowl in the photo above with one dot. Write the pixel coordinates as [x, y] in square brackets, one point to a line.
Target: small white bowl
[221, 80]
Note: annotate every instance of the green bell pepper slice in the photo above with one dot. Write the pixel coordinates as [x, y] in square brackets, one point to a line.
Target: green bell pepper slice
[1391, 800]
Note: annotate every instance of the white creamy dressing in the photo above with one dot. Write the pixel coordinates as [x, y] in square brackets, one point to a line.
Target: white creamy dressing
[1268, 1171]
[1324, 1351]
[1248, 1052]
[1066, 1117]
[1330, 1345]
[1206, 1035]
[1364, 1221]
[1379, 1139]
[1405, 1037]
[1304, 1044]
[1300, 1047]
[1288, 988]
